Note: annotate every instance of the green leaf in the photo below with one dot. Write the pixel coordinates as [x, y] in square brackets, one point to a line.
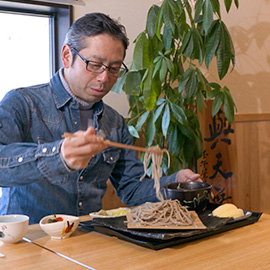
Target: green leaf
[151, 89]
[151, 20]
[175, 140]
[218, 101]
[212, 43]
[213, 93]
[193, 45]
[205, 86]
[142, 120]
[169, 64]
[215, 85]
[228, 4]
[188, 9]
[168, 16]
[179, 114]
[198, 47]
[199, 101]
[163, 70]
[159, 23]
[160, 101]
[198, 9]
[189, 148]
[167, 38]
[132, 83]
[149, 94]
[228, 105]
[207, 15]
[166, 120]
[184, 79]
[118, 86]
[157, 63]
[186, 41]
[236, 3]
[225, 54]
[139, 57]
[189, 48]
[158, 111]
[150, 131]
[175, 6]
[216, 7]
[187, 131]
[133, 132]
[191, 85]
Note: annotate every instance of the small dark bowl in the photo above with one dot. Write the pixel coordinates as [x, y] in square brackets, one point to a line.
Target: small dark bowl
[195, 195]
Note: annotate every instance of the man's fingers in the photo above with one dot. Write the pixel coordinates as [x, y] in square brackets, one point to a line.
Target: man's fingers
[188, 175]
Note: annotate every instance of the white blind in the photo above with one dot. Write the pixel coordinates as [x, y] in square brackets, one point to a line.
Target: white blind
[66, 2]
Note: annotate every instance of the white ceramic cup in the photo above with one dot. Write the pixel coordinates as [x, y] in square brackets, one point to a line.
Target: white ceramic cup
[13, 228]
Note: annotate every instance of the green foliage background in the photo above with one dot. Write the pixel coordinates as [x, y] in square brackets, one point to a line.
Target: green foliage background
[166, 82]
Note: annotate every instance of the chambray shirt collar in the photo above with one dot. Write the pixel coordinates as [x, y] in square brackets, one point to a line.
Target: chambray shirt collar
[83, 104]
[62, 97]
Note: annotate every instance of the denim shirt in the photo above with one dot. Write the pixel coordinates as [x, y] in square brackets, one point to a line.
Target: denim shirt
[34, 179]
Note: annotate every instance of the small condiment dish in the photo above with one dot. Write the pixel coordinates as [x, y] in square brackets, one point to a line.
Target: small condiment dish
[13, 228]
[59, 226]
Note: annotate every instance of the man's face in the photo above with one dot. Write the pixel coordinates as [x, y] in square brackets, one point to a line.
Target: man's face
[84, 84]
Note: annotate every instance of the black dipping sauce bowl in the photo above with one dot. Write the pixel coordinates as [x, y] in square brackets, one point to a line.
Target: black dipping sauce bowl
[194, 195]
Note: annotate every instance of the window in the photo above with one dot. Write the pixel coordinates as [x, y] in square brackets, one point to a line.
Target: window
[31, 36]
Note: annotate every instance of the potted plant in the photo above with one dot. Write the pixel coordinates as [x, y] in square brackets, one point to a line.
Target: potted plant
[167, 83]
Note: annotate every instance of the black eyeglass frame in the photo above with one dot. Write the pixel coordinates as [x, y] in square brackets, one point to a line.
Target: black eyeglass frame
[125, 69]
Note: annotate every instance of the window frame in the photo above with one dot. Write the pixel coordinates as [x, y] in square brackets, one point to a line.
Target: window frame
[61, 17]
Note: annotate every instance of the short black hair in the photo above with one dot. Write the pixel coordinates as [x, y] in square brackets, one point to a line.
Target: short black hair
[93, 24]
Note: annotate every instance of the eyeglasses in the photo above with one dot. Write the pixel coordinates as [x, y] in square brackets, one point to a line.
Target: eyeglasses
[98, 68]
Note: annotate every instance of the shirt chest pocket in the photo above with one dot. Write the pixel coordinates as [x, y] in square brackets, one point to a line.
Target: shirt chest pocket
[111, 156]
[104, 167]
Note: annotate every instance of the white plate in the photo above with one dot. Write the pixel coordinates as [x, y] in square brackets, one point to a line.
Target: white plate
[246, 215]
[118, 212]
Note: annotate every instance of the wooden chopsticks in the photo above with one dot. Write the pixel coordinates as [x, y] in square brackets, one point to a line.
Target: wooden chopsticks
[121, 145]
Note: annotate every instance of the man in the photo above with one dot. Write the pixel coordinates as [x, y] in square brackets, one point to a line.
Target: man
[40, 172]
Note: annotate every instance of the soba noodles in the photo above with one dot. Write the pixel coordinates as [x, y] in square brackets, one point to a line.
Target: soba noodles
[165, 213]
[156, 167]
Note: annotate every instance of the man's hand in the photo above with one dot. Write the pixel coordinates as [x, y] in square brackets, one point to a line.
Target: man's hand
[79, 149]
[187, 175]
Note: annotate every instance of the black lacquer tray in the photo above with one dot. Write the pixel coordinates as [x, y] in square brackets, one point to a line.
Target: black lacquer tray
[158, 239]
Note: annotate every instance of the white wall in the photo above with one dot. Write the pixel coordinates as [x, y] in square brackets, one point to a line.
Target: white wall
[250, 81]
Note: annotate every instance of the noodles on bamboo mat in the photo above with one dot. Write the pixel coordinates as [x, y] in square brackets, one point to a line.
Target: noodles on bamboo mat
[168, 214]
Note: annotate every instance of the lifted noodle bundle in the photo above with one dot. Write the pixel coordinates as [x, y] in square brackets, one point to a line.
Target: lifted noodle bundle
[156, 167]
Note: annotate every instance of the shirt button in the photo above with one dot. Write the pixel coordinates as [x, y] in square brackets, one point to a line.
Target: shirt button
[81, 177]
[111, 158]
[20, 159]
[75, 122]
[53, 149]
[44, 150]
[80, 204]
